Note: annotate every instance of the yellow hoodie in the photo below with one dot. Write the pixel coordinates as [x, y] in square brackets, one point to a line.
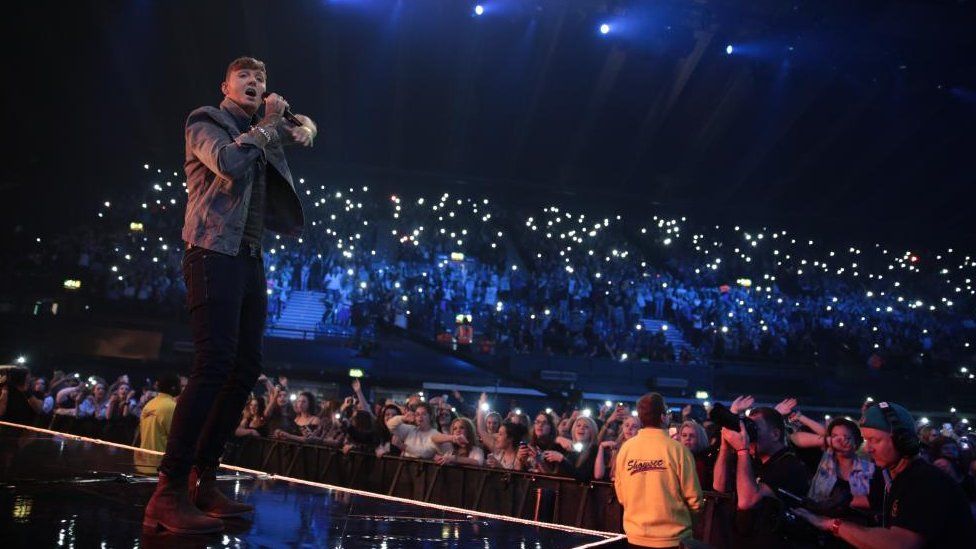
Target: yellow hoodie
[657, 485]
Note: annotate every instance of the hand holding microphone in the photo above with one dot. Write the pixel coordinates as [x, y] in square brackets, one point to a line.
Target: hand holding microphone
[303, 130]
[277, 104]
[275, 108]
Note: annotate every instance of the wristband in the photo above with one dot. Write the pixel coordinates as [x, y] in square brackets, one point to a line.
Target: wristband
[741, 450]
[834, 527]
[269, 134]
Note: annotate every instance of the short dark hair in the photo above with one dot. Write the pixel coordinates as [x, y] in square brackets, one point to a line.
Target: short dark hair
[246, 63]
[169, 383]
[17, 376]
[772, 418]
[650, 408]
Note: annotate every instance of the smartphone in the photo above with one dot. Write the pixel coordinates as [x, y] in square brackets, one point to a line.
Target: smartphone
[672, 431]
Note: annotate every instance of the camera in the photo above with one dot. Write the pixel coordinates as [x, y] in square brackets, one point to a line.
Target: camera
[721, 415]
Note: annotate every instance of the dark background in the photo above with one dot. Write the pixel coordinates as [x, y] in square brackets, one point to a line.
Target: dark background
[862, 131]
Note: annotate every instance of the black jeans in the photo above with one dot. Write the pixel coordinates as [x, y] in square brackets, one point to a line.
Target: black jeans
[227, 300]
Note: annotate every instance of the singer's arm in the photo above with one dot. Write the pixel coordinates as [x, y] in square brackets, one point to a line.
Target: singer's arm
[229, 158]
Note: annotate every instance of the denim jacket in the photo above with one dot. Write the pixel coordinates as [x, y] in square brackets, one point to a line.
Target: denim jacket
[827, 474]
[220, 168]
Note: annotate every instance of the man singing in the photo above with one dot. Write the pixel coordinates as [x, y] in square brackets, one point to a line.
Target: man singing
[238, 183]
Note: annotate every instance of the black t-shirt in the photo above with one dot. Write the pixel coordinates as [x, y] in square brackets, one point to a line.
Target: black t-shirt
[763, 526]
[926, 501]
[784, 470]
[18, 408]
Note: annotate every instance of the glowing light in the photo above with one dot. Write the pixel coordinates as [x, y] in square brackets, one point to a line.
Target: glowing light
[729, 49]
[479, 10]
[604, 29]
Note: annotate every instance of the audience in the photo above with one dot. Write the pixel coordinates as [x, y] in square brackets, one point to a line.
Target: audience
[930, 501]
[545, 280]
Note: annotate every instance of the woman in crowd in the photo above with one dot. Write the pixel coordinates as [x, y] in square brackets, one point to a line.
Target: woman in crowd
[121, 402]
[420, 439]
[445, 418]
[607, 449]
[488, 426]
[542, 438]
[305, 424]
[507, 440]
[841, 470]
[332, 419]
[946, 456]
[96, 404]
[253, 422]
[579, 461]
[278, 412]
[692, 436]
[385, 443]
[360, 435]
[466, 453]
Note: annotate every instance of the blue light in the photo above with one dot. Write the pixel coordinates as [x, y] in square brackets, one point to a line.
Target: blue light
[604, 28]
[729, 49]
[479, 9]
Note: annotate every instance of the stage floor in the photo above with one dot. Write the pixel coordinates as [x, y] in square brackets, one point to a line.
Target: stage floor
[59, 491]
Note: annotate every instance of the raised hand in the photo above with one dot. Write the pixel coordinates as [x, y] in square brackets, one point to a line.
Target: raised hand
[786, 407]
[741, 404]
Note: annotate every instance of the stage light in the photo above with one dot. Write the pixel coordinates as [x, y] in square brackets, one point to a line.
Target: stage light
[729, 49]
[479, 9]
[604, 29]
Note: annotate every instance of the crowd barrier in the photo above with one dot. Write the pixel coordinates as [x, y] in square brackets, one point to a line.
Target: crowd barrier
[558, 500]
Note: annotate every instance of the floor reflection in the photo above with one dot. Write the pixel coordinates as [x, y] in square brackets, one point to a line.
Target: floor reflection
[64, 493]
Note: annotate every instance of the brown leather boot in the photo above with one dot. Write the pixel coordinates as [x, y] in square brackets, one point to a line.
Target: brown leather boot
[170, 509]
[210, 500]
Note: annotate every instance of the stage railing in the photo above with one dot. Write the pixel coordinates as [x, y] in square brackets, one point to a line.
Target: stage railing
[540, 497]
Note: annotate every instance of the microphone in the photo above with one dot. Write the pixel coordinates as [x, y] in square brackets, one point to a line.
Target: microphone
[288, 114]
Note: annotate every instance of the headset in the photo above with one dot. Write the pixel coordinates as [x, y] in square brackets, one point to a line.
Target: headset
[904, 439]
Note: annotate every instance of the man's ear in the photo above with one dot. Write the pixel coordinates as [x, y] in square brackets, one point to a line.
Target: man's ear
[223, 87]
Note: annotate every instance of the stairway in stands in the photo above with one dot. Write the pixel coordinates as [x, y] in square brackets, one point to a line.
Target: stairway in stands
[671, 334]
[301, 316]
